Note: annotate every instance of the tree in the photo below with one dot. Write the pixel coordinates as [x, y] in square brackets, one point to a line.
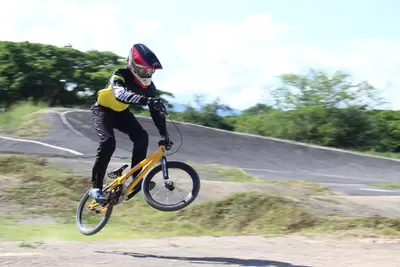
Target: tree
[318, 89]
[58, 75]
[257, 109]
[325, 109]
[207, 114]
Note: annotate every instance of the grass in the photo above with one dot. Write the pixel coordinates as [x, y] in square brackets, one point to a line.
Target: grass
[390, 185]
[392, 155]
[367, 226]
[316, 189]
[219, 172]
[39, 189]
[24, 119]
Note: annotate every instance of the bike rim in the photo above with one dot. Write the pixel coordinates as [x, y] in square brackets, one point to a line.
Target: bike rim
[91, 214]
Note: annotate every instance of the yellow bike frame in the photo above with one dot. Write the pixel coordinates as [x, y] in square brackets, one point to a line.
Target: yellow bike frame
[147, 164]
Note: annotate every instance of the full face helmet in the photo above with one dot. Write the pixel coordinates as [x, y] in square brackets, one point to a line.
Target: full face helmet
[142, 62]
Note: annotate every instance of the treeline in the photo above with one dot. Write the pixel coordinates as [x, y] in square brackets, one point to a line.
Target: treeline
[316, 107]
[59, 76]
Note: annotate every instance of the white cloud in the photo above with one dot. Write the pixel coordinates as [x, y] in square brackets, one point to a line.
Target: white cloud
[218, 58]
[86, 25]
[378, 62]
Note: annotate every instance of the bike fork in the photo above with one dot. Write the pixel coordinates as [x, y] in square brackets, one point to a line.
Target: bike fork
[168, 184]
[164, 169]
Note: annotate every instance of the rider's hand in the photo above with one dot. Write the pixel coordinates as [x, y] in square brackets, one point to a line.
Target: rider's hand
[155, 103]
[167, 140]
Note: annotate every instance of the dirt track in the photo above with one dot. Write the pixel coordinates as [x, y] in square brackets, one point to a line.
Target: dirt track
[209, 251]
[291, 251]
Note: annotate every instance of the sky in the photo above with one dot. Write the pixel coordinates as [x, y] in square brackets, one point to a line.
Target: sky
[229, 49]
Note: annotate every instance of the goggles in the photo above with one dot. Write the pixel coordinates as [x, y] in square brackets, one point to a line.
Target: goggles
[143, 72]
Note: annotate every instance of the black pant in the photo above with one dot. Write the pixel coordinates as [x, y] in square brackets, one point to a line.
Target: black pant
[105, 121]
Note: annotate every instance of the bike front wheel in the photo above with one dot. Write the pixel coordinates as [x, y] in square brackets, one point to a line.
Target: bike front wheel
[148, 186]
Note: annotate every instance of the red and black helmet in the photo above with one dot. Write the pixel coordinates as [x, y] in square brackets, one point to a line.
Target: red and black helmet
[142, 62]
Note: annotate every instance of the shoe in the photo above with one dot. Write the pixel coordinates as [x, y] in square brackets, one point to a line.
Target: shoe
[97, 194]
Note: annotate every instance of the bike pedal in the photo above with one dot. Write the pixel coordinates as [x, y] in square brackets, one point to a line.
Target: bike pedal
[102, 202]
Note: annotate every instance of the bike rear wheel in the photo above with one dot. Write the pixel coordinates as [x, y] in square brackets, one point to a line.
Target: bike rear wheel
[187, 169]
[106, 211]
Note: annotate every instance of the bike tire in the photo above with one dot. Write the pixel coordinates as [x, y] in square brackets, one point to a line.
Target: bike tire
[173, 207]
[99, 226]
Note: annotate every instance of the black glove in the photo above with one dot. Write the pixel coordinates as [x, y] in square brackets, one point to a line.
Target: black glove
[155, 103]
[168, 141]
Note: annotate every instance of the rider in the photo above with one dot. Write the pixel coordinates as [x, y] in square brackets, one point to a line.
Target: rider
[131, 85]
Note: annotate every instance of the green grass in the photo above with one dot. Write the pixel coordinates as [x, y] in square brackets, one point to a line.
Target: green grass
[55, 191]
[242, 213]
[315, 189]
[219, 172]
[369, 226]
[43, 190]
[390, 185]
[23, 119]
[391, 155]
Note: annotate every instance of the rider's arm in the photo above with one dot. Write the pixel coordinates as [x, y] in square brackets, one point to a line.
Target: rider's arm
[118, 87]
[158, 118]
[159, 121]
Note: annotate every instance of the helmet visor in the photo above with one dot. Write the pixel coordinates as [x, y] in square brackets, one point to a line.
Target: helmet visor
[143, 72]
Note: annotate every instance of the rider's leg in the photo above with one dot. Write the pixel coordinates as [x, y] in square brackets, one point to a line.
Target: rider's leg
[131, 126]
[103, 121]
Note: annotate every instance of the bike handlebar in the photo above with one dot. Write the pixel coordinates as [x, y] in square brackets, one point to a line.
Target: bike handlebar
[162, 107]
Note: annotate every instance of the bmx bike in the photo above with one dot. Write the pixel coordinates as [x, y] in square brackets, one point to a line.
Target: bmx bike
[117, 192]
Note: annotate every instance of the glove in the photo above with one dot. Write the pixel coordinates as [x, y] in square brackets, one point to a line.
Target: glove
[168, 141]
[155, 103]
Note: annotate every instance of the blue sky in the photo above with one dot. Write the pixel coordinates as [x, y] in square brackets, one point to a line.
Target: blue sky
[227, 49]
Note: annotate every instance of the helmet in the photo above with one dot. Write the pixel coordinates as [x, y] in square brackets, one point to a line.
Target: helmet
[142, 62]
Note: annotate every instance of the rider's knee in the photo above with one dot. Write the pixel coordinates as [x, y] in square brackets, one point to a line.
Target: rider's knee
[109, 145]
[141, 138]
[145, 137]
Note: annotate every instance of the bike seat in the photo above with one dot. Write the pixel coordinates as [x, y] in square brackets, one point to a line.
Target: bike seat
[118, 172]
